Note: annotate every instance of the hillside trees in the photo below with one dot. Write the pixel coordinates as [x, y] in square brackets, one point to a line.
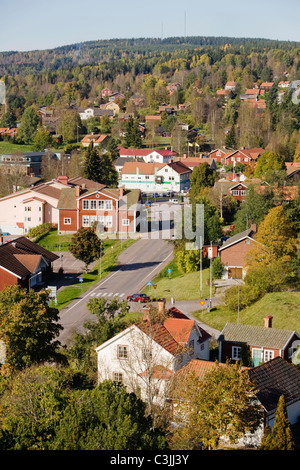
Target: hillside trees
[28, 327]
[28, 126]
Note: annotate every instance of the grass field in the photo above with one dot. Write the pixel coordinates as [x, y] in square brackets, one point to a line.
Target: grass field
[283, 306]
[179, 286]
[8, 147]
[54, 242]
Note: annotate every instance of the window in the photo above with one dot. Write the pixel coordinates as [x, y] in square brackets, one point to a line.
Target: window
[108, 205]
[268, 355]
[235, 193]
[85, 221]
[93, 204]
[191, 347]
[85, 205]
[40, 209]
[27, 209]
[146, 177]
[27, 219]
[125, 222]
[108, 221]
[67, 221]
[243, 192]
[118, 376]
[236, 353]
[101, 219]
[147, 354]
[100, 204]
[122, 352]
[93, 219]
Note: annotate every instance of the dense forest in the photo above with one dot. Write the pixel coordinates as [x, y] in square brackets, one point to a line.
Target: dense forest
[73, 76]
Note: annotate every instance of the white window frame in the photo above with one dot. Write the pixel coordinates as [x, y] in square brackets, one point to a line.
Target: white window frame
[117, 377]
[101, 204]
[84, 203]
[236, 353]
[67, 221]
[85, 220]
[108, 221]
[125, 222]
[93, 204]
[268, 355]
[122, 352]
[108, 205]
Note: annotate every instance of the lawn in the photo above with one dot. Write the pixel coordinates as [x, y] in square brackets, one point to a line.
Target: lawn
[108, 261]
[8, 148]
[283, 306]
[54, 242]
[179, 286]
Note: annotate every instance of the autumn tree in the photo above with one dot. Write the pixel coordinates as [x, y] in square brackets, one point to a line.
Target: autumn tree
[269, 162]
[85, 246]
[275, 239]
[280, 437]
[28, 327]
[220, 405]
[42, 139]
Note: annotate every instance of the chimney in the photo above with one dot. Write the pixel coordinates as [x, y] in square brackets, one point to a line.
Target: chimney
[253, 228]
[77, 191]
[121, 191]
[268, 321]
[146, 312]
[161, 306]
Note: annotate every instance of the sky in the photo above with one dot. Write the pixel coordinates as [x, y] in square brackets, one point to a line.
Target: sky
[45, 24]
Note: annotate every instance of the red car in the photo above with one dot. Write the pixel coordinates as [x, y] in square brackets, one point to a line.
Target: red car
[138, 298]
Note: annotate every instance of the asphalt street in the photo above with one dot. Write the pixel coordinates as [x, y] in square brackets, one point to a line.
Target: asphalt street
[137, 265]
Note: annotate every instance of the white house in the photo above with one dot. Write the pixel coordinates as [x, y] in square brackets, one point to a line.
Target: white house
[148, 155]
[147, 354]
[156, 177]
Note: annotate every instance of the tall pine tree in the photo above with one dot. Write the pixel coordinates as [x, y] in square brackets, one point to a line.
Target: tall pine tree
[280, 437]
[92, 164]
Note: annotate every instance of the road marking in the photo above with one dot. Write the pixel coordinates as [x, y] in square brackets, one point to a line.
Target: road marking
[121, 295]
[104, 294]
[92, 295]
[109, 295]
[97, 295]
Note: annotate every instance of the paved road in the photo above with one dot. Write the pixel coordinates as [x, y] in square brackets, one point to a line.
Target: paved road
[137, 265]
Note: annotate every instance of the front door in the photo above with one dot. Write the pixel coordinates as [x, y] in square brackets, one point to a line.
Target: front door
[256, 357]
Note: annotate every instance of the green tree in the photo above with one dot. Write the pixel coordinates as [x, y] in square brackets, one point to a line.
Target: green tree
[92, 164]
[269, 161]
[42, 139]
[69, 126]
[8, 119]
[107, 418]
[202, 176]
[217, 268]
[133, 136]
[28, 327]
[32, 406]
[230, 140]
[108, 174]
[280, 437]
[28, 125]
[85, 246]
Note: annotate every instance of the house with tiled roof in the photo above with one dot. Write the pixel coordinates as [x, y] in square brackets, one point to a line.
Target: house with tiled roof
[148, 155]
[87, 204]
[272, 379]
[149, 352]
[24, 263]
[97, 139]
[156, 177]
[263, 342]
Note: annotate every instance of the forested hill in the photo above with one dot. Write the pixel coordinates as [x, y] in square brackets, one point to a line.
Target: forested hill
[105, 51]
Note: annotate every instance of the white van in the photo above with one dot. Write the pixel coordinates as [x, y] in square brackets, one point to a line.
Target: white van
[174, 201]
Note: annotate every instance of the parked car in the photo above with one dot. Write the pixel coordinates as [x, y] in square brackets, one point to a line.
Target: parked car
[138, 298]
[174, 201]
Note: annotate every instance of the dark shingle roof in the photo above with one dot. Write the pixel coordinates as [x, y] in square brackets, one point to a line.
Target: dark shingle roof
[11, 260]
[273, 379]
[259, 336]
